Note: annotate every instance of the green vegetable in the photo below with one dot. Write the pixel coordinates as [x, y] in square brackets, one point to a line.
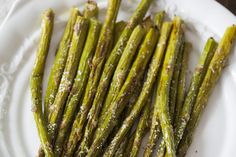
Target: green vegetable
[59, 63]
[116, 53]
[77, 44]
[80, 82]
[91, 9]
[196, 81]
[94, 77]
[117, 82]
[141, 129]
[156, 64]
[119, 27]
[182, 82]
[213, 74]
[37, 79]
[159, 17]
[117, 106]
[162, 97]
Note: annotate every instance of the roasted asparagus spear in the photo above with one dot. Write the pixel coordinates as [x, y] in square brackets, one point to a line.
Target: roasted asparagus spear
[37, 79]
[213, 74]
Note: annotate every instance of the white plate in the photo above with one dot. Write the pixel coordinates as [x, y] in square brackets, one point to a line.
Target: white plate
[215, 136]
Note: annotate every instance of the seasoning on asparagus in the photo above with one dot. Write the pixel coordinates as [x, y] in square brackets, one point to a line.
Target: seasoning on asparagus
[91, 9]
[79, 83]
[117, 106]
[121, 150]
[37, 79]
[213, 74]
[141, 129]
[174, 83]
[182, 82]
[59, 63]
[116, 54]
[173, 95]
[94, 77]
[156, 64]
[196, 81]
[117, 81]
[77, 44]
[162, 97]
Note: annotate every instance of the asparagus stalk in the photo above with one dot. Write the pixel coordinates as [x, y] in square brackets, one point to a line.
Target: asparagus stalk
[79, 83]
[141, 129]
[119, 27]
[117, 81]
[121, 150]
[182, 82]
[212, 76]
[127, 111]
[37, 78]
[173, 95]
[147, 23]
[77, 44]
[59, 63]
[91, 9]
[161, 150]
[162, 105]
[159, 17]
[174, 83]
[118, 104]
[96, 69]
[161, 47]
[129, 145]
[196, 81]
[174, 90]
[116, 54]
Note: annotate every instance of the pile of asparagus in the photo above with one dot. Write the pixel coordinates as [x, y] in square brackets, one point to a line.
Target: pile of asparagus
[99, 98]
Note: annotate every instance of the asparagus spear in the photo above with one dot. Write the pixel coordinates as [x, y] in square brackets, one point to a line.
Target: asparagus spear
[118, 104]
[182, 82]
[116, 53]
[117, 81]
[79, 83]
[121, 150]
[174, 83]
[159, 17]
[196, 81]
[141, 129]
[129, 145]
[161, 105]
[176, 91]
[59, 63]
[119, 27]
[91, 9]
[161, 150]
[77, 44]
[173, 96]
[212, 76]
[147, 23]
[96, 69]
[37, 78]
[155, 126]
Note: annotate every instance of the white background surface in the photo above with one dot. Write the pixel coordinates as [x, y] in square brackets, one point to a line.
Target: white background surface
[4, 8]
[215, 136]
